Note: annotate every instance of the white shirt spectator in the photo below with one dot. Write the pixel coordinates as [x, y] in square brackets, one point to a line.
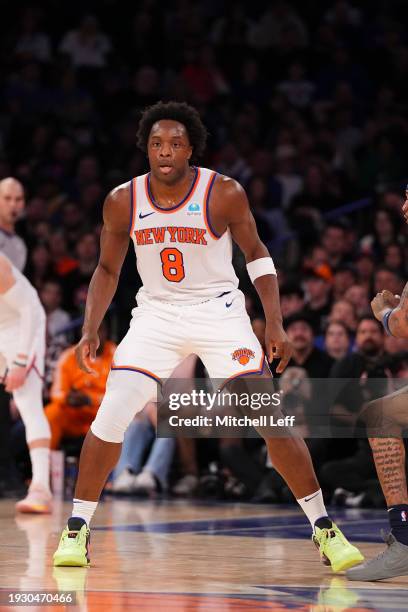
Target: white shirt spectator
[57, 321]
[87, 46]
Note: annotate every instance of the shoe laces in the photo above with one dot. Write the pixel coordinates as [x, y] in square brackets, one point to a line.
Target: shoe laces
[330, 535]
[80, 537]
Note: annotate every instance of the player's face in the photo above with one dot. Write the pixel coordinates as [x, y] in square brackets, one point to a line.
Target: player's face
[11, 202]
[169, 151]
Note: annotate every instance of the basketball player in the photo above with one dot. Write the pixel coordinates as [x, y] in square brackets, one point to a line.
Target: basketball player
[389, 453]
[11, 206]
[22, 344]
[182, 219]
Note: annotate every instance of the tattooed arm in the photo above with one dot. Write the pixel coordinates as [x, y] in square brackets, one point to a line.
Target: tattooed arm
[389, 457]
[398, 319]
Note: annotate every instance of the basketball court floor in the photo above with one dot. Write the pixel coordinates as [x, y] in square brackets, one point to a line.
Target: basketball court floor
[189, 556]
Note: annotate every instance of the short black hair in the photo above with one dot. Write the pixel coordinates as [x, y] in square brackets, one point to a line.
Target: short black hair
[292, 288]
[369, 317]
[338, 322]
[300, 316]
[174, 111]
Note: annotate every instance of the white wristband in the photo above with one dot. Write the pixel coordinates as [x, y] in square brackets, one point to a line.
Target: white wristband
[260, 267]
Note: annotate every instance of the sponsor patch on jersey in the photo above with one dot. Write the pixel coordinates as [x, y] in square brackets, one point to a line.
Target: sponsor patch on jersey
[243, 355]
[193, 208]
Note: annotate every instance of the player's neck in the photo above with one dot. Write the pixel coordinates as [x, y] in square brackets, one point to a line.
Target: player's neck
[166, 195]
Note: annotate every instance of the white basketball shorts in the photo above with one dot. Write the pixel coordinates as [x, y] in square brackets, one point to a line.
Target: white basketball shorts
[218, 330]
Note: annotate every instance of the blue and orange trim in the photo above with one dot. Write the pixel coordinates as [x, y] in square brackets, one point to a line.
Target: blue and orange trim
[257, 372]
[207, 197]
[133, 184]
[130, 368]
[182, 203]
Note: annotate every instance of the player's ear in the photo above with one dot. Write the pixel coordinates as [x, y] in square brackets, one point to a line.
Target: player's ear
[190, 153]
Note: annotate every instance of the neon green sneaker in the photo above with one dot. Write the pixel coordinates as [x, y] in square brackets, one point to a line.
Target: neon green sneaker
[73, 549]
[335, 549]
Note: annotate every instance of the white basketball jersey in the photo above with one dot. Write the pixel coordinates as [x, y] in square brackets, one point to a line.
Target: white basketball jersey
[9, 317]
[180, 258]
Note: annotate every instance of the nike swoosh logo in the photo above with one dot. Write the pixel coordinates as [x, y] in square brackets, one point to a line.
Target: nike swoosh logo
[228, 305]
[141, 216]
[313, 496]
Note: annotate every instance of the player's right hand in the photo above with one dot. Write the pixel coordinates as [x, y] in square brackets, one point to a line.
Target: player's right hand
[382, 302]
[85, 351]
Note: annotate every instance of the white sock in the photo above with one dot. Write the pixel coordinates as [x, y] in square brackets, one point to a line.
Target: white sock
[84, 509]
[40, 466]
[313, 506]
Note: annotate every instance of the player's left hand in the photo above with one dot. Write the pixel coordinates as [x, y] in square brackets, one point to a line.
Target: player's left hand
[277, 345]
[15, 378]
[382, 302]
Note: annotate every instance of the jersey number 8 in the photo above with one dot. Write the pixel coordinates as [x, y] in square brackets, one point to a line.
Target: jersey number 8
[172, 265]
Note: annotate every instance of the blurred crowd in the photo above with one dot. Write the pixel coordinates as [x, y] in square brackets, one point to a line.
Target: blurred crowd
[305, 105]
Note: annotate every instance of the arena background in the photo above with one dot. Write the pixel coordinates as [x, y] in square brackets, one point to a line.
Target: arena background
[306, 106]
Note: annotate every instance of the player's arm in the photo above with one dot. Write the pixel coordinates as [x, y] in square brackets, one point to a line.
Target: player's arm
[113, 247]
[20, 298]
[392, 311]
[235, 212]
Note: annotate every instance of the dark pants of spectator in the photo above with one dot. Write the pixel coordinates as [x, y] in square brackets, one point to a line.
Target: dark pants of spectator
[351, 473]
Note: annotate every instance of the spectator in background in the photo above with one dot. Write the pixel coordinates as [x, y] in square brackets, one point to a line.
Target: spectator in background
[300, 333]
[86, 46]
[319, 193]
[387, 225]
[135, 475]
[343, 310]
[291, 298]
[272, 26]
[357, 295]
[32, 42]
[78, 279]
[51, 299]
[12, 202]
[286, 173]
[76, 395]
[337, 340]
[365, 363]
[318, 300]
[365, 266]
[73, 222]
[344, 277]
[269, 219]
[385, 278]
[335, 244]
[63, 261]
[297, 89]
[394, 258]
[39, 266]
[317, 365]
[58, 337]
[232, 164]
